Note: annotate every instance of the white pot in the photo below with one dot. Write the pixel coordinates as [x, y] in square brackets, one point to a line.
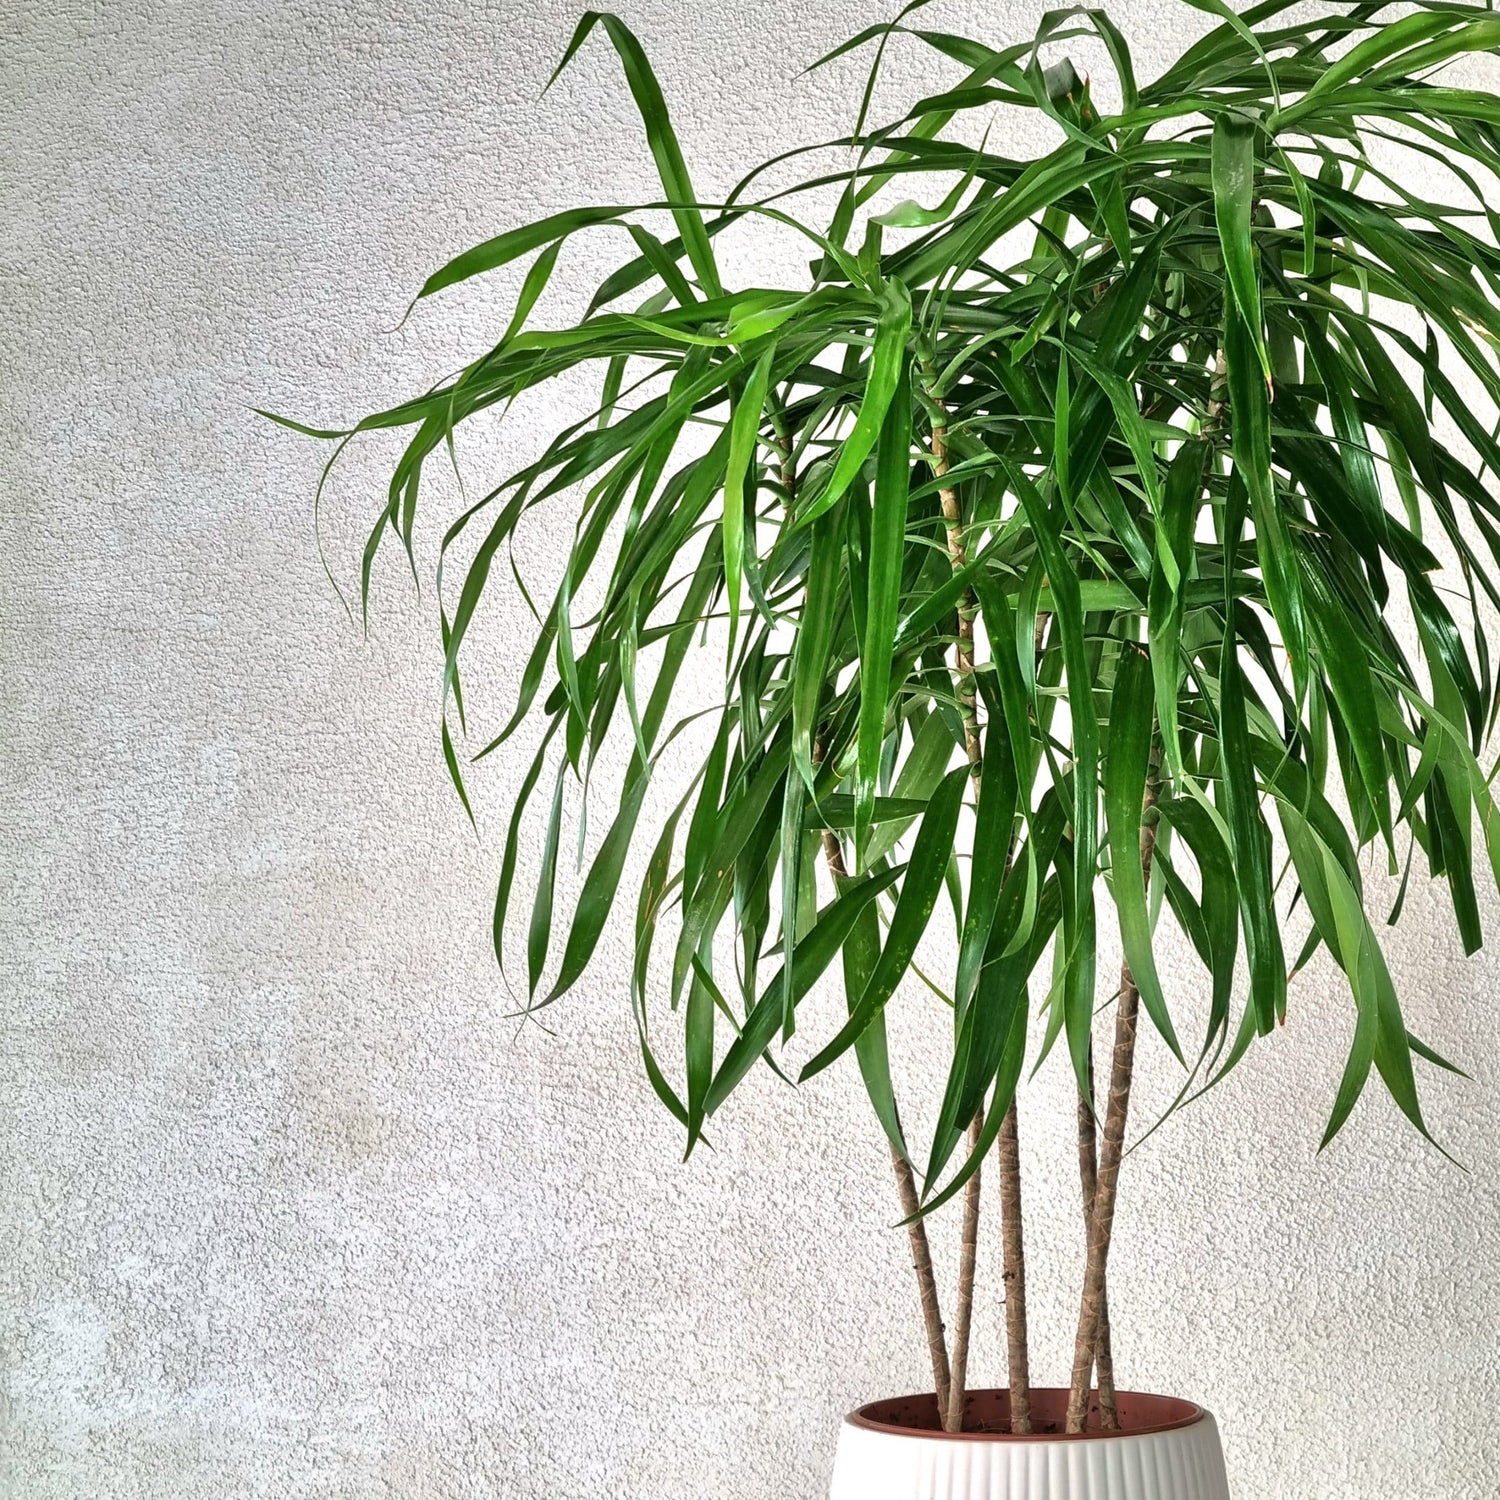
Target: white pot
[1166, 1450]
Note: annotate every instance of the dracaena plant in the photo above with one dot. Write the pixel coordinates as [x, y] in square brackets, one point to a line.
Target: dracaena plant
[1066, 545]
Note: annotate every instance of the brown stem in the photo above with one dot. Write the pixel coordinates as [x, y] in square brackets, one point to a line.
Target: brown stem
[1088, 1172]
[1101, 1178]
[1011, 1221]
[906, 1188]
[963, 663]
[921, 1259]
[963, 1315]
[1014, 1245]
[1101, 1222]
[906, 1191]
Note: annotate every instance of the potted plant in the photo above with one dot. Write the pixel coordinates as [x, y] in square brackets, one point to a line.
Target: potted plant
[1061, 550]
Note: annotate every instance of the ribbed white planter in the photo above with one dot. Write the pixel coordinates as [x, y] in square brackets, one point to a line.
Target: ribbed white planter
[1167, 1450]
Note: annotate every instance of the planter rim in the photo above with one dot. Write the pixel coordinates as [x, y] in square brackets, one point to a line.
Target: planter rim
[915, 1416]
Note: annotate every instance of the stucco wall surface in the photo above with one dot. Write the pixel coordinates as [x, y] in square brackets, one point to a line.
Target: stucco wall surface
[287, 1207]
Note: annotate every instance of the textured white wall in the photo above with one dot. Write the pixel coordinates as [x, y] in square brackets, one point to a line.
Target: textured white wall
[287, 1208]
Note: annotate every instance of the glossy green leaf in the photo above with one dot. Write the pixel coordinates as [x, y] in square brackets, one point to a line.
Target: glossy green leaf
[1250, 444]
[883, 596]
[994, 818]
[886, 366]
[1182, 496]
[1233, 170]
[539, 933]
[1079, 929]
[744, 430]
[599, 887]
[815, 631]
[919, 893]
[1311, 570]
[819, 947]
[872, 1052]
[1132, 723]
[1249, 837]
[659, 135]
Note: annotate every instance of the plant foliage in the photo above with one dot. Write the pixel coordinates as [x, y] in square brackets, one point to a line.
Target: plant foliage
[1155, 417]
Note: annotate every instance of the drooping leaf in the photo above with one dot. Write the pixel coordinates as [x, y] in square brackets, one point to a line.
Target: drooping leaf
[1131, 730]
[1233, 168]
[1311, 569]
[883, 595]
[919, 893]
[659, 135]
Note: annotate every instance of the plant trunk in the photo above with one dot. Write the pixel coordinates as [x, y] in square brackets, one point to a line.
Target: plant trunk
[1011, 1219]
[1010, 1185]
[1012, 1229]
[921, 1259]
[1101, 1222]
[1091, 1313]
[1088, 1172]
[963, 1313]
[1099, 1166]
[1014, 1245]
[906, 1192]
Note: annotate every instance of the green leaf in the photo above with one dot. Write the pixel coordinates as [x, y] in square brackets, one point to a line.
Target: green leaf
[1233, 169]
[659, 136]
[512, 245]
[886, 369]
[794, 795]
[744, 431]
[861, 955]
[1079, 931]
[814, 639]
[883, 598]
[1420, 1049]
[1131, 724]
[698, 1029]
[540, 931]
[599, 887]
[836, 811]
[998, 791]
[450, 758]
[1182, 498]
[1391, 38]
[1380, 1034]
[752, 798]
[817, 949]
[1250, 443]
[1007, 1077]
[1346, 663]
[925, 766]
[1133, 427]
[1013, 709]
[919, 893]
[1195, 822]
[512, 845]
[1249, 836]
[1024, 922]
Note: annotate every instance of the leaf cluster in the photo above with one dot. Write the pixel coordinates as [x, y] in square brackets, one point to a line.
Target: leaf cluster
[1112, 480]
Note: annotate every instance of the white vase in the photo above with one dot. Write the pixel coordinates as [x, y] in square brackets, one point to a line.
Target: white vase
[1166, 1450]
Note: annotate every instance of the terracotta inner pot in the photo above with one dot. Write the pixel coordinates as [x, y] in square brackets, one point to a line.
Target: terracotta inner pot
[987, 1415]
